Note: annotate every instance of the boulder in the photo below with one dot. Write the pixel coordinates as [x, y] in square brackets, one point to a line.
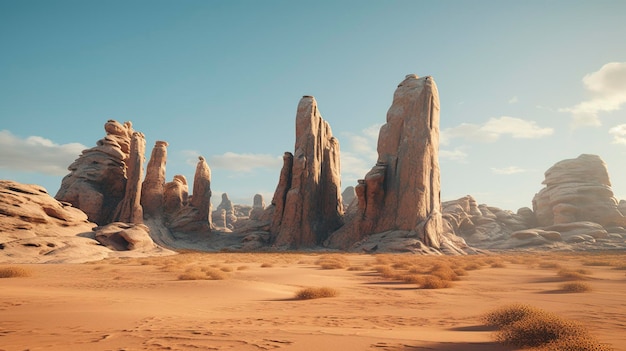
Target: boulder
[120, 236]
[307, 198]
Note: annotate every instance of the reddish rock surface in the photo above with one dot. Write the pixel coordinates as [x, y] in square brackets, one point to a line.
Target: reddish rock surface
[309, 185]
[154, 184]
[401, 192]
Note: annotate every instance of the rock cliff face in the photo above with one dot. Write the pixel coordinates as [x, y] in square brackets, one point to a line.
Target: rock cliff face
[153, 186]
[97, 180]
[307, 200]
[402, 191]
[578, 190]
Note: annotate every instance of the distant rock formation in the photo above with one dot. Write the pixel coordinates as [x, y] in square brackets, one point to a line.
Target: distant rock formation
[578, 190]
[401, 193]
[348, 196]
[175, 195]
[129, 210]
[258, 207]
[154, 184]
[228, 218]
[307, 200]
[97, 180]
[196, 215]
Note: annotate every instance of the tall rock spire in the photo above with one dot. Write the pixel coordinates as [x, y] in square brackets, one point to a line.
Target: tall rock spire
[402, 191]
[153, 186]
[308, 197]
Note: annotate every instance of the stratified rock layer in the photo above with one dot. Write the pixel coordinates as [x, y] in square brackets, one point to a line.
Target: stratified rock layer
[97, 180]
[401, 193]
[307, 200]
[578, 190]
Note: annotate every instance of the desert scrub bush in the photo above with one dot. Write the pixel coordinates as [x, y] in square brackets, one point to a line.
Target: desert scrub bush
[434, 282]
[575, 287]
[14, 272]
[242, 268]
[526, 326]
[215, 274]
[192, 276]
[386, 272]
[315, 293]
[267, 265]
[332, 262]
[444, 273]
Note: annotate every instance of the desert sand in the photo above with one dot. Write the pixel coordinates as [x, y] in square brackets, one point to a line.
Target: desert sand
[171, 303]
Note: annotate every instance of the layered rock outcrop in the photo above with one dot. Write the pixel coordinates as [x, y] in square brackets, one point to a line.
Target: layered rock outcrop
[401, 192]
[307, 202]
[97, 180]
[224, 216]
[578, 190]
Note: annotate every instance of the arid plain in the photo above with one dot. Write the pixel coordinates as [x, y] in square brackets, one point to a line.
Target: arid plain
[239, 301]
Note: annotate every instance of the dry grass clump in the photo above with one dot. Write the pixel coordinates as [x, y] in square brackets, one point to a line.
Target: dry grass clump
[434, 282]
[575, 287]
[192, 276]
[266, 265]
[315, 293]
[526, 326]
[332, 262]
[242, 268]
[14, 272]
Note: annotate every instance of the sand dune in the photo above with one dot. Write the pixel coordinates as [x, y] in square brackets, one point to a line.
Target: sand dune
[141, 304]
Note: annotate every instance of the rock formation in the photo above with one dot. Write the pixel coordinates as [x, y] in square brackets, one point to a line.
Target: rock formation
[258, 207]
[120, 236]
[307, 200]
[97, 180]
[401, 192]
[228, 218]
[196, 216]
[175, 195]
[153, 186]
[578, 190]
[129, 210]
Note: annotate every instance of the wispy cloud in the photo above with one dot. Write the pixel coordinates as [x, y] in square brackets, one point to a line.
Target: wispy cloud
[36, 154]
[513, 100]
[245, 162]
[358, 154]
[494, 128]
[619, 134]
[508, 170]
[454, 155]
[607, 87]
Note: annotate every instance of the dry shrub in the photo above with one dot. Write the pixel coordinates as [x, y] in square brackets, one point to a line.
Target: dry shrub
[356, 268]
[526, 326]
[315, 293]
[14, 272]
[575, 287]
[215, 274]
[434, 282]
[416, 279]
[192, 276]
[242, 268]
[573, 274]
[498, 265]
[267, 265]
[386, 271]
[472, 266]
[332, 262]
[226, 269]
[444, 273]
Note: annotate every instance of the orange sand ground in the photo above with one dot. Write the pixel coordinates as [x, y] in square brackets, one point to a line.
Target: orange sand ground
[140, 304]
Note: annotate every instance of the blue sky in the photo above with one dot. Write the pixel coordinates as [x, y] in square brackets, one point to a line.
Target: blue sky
[522, 84]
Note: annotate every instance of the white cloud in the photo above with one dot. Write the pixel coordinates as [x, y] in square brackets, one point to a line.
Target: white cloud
[607, 87]
[358, 154]
[455, 155]
[36, 154]
[508, 170]
[493, 129]
[619, 134]
[245, 162]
